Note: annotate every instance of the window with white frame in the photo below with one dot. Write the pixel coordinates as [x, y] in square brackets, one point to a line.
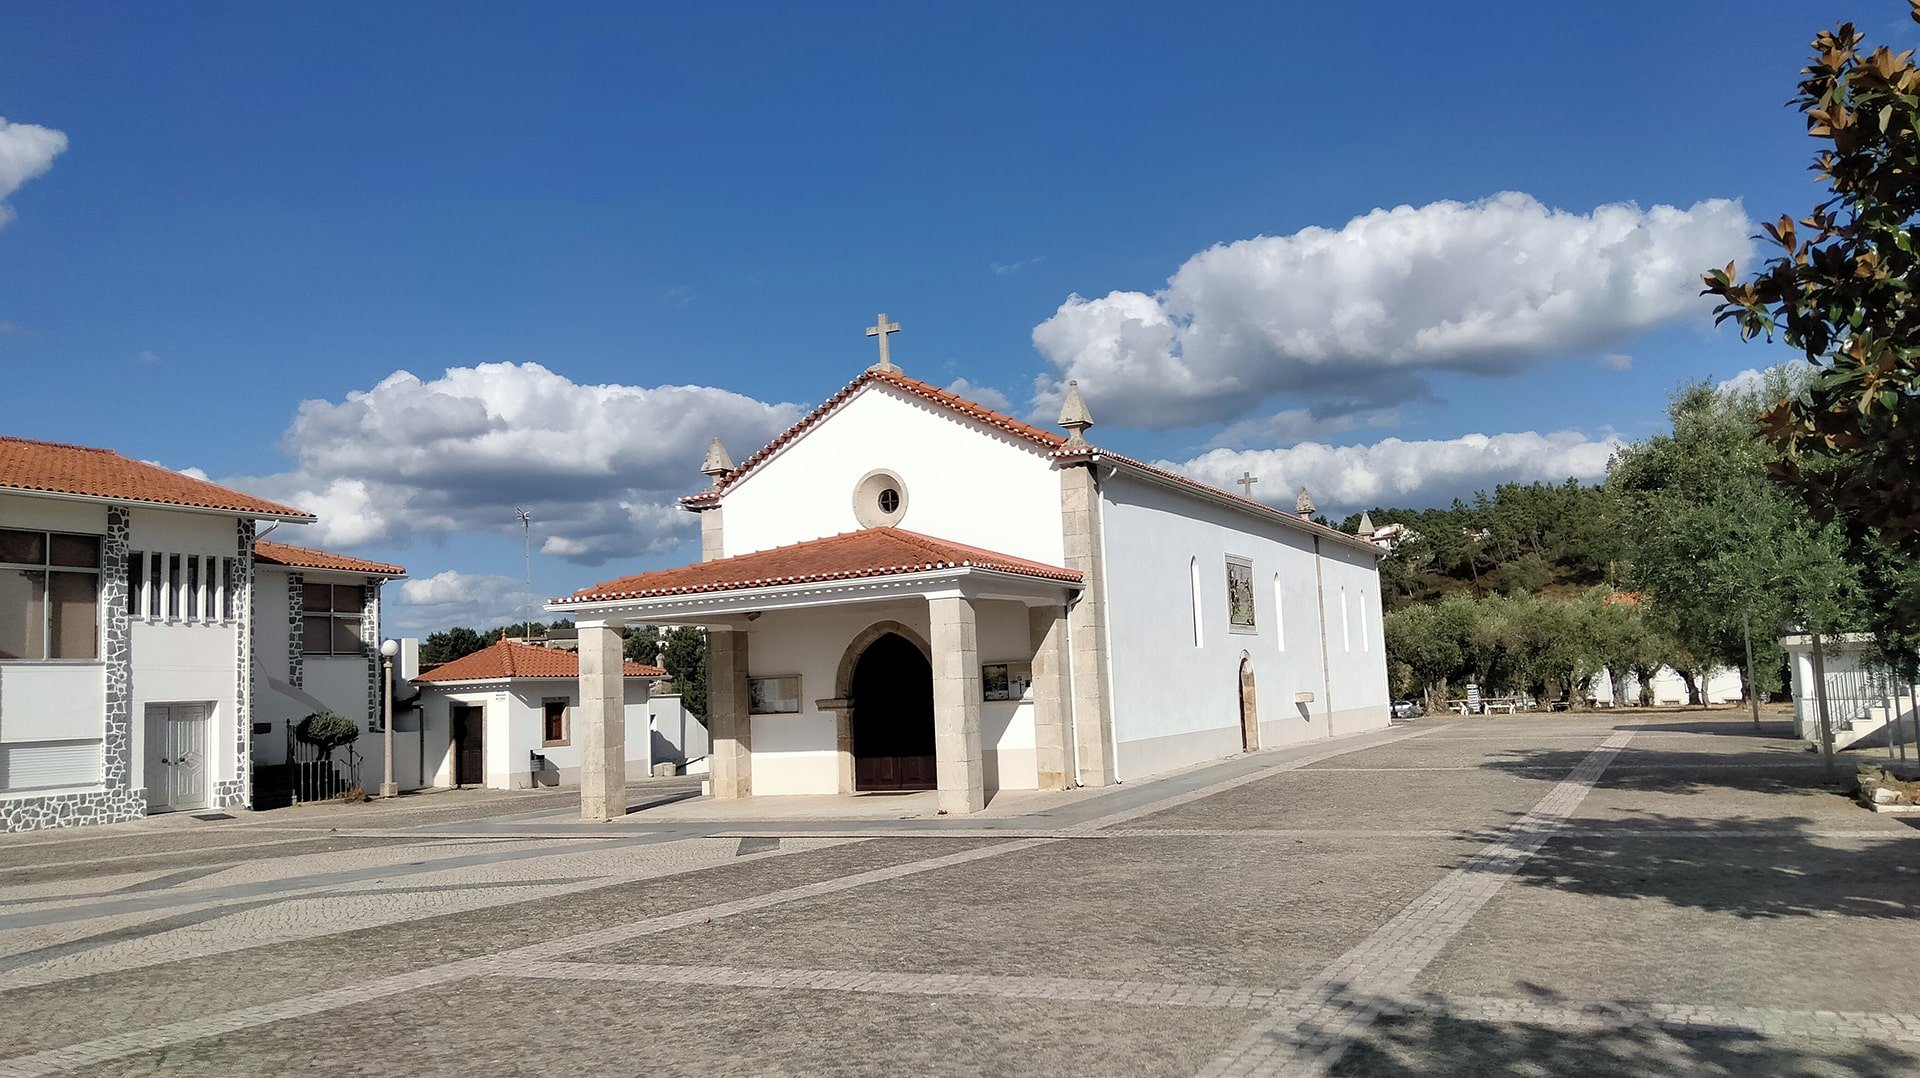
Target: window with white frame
[330, 619]
[49, 595]
[195, 588]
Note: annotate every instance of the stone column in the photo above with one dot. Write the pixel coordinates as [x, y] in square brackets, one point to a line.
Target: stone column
[242, 582]
[961, 776]
[1092, 703]
[713, 543]
[124, 800]
[729, 726]
[1047, 626]
[601, 723]
[842, 740]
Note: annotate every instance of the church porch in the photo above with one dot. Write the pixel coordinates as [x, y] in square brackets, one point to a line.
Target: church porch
[936, 675]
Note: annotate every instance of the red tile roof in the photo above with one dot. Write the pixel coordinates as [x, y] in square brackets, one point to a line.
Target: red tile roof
[509, 659]
[299, 557]
[58, 468]
[870, 553]
[1045, 439]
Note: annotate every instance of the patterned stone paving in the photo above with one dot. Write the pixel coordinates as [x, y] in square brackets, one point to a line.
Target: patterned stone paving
[1591, 894]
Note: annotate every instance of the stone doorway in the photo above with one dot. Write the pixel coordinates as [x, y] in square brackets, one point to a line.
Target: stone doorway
[891, 699]
[1249, 708]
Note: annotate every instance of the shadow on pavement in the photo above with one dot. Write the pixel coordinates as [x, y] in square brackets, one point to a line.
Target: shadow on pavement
[1789, 875]
[1438, 1042]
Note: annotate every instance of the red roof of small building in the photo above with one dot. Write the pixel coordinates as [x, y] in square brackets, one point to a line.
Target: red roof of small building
[870, 553]
[511, 659]
[299, 557]
[58, 468]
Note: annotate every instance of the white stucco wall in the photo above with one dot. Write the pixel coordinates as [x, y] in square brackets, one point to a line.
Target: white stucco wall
[964, 481]
[797, 754]
[513, 729]
[177, 661]
[1176, 703]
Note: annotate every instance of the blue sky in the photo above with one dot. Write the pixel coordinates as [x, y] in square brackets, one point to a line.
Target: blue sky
[257, 207]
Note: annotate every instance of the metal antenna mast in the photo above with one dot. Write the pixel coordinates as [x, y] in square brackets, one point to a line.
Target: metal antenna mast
[526, 527]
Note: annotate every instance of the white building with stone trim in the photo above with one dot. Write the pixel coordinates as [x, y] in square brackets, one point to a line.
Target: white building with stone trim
[908, 590]
[316, 640]
[128, 636]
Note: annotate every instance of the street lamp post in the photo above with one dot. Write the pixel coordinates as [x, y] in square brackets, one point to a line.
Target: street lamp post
[388, 788]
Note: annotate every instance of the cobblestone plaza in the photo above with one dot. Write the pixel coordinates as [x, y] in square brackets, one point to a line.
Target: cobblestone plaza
[1667, 894]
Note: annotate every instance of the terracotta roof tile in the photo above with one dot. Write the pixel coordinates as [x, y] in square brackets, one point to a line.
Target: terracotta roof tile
[871, 553]
[299, 557]
[1045, 439]
[58, 468]
[509, 659]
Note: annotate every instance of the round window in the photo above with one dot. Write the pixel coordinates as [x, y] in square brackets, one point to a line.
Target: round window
[879, 500]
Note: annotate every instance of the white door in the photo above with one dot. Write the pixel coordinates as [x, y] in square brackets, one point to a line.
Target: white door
[178, 770]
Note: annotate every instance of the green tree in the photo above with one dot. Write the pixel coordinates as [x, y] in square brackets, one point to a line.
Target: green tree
[1717, 545]
[1840, 290]
[444, 647]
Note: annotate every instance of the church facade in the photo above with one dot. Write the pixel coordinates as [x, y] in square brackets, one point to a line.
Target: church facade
[908, 590]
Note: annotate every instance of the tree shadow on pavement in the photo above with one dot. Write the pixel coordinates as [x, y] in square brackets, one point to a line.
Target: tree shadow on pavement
[1436, 1040]
[1723, 866]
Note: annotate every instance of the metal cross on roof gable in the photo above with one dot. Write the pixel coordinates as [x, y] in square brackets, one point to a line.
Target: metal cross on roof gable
[881, 330]
[1246, 481]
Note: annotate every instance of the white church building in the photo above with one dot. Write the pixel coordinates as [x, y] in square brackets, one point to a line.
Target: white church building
[908, 590]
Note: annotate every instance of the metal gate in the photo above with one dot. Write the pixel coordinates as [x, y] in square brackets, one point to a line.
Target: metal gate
[317, 774]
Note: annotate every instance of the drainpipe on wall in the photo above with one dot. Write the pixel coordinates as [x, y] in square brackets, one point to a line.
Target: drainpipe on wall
[1320, 599]
[1073, 706]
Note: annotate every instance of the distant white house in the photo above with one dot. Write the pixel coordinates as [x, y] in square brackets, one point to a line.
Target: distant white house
[503, 717]
[132, 613]
[1385, 536]
[1722, 686]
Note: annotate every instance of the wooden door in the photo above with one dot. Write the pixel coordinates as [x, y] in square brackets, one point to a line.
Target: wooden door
[1249, 707]
[892, 697]
[469, 744]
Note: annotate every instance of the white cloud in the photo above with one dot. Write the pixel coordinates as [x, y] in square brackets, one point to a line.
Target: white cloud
[980, 394]
[1617, 361]
[26, 150]
[476, 600]
[1747, 381]
[600, 466]
[1356, 318]
[1002, 269]
[1405, 474]
[149, 357]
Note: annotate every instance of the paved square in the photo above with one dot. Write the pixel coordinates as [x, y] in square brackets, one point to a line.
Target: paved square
[1648, 893]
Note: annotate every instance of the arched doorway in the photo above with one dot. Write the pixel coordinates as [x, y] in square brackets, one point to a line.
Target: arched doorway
[1249, 709]
[891, 696]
